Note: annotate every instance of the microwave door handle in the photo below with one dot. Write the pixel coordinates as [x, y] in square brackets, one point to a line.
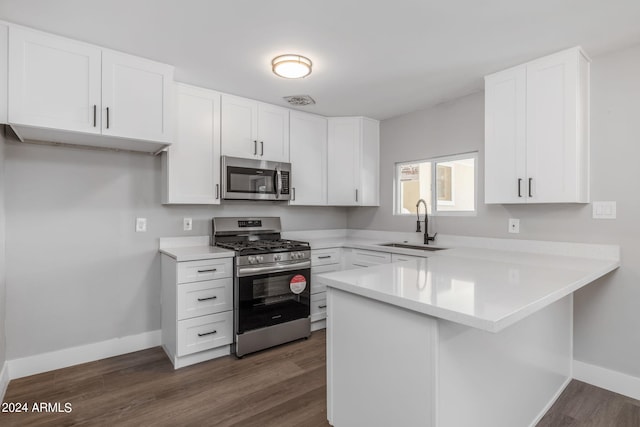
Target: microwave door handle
[278, 182]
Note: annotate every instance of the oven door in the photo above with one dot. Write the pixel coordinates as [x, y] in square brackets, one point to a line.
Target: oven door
[269, 299]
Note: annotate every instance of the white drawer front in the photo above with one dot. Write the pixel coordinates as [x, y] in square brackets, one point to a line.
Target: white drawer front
[362, 258]
[318, 306]
[201, 298]
[398, 257]
[316, 286]
[208, 269]
[326, 256]
[205, 332]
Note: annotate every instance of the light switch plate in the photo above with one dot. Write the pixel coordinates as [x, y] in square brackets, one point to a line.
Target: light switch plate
[141, 225]
[604, 210]
[514, 225]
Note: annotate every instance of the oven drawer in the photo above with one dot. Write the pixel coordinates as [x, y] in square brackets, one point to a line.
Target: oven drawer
[201, 298]
[208, 269]
[205, 332]
[318, 306]
[316, 286]
[326, 256]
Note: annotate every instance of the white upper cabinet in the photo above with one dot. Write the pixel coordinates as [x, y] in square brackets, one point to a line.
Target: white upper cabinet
[62, 90]
[537, 131]
[4, 45]
[353, 161]
[191, 166]
[136, 97]
[252, 129]
[54, 82]
[308, 151]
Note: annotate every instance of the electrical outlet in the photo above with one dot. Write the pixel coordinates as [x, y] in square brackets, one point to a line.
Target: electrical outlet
[514, 225]
[187, 225]
[141, 225]
[604, 210]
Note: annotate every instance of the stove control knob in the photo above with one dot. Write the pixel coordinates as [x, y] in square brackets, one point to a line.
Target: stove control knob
[301, 255]
[260, 258]
[252, 260]
[277, 257]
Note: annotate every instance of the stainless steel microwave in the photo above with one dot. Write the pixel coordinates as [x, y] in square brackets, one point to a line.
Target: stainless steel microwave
[251, 179]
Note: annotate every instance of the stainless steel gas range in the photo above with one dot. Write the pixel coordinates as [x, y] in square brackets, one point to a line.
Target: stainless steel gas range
[272, 279]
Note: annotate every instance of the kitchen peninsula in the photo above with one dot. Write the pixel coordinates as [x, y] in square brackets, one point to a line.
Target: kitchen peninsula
[472, 336]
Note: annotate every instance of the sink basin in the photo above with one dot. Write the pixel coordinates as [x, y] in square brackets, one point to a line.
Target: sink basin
[408, 246]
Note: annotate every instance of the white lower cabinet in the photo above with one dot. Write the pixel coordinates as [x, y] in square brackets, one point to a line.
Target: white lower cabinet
[197, 309]
[358, 258]
[322, 261]
[400, 257]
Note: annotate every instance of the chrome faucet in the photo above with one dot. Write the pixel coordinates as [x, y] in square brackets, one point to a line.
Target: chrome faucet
[427, 238]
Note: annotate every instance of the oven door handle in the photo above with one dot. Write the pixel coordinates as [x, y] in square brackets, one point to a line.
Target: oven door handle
[254, 271]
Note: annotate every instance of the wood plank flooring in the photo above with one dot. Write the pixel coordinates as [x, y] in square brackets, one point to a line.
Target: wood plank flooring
[284, 386]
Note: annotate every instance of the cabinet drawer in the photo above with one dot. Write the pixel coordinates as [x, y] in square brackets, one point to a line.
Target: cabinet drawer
[398, 257]
[316, 286]
[326, 256]
[361, 258]
[318, 306]
[201, 298]
[205, 332]
[208, 269]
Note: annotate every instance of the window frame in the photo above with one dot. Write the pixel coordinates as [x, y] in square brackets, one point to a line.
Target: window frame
[433, 203]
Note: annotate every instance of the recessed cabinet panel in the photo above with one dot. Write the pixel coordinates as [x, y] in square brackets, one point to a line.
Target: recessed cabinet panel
[202, 298]
[4, 40]
[308, 150]
[344, 161]
[191, 165]
[273, 133]
[136, 97]
[53, 82]
[204, 332]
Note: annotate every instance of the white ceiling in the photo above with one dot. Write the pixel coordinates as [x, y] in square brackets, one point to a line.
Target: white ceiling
[374, 58]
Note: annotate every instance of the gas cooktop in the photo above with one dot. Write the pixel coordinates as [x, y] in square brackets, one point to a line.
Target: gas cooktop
[252, 247]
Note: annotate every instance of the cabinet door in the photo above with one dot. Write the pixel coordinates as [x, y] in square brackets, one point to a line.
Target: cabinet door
[505, 136]
[136, 97]
[239, 127]
[273, 133]
[4, 44]
[192, 163]
[552, 139]
[370, 163]
[53, 82]
[308, 159]
[344, 161]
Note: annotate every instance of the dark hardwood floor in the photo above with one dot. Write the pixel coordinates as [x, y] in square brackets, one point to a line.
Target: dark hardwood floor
[284, 386]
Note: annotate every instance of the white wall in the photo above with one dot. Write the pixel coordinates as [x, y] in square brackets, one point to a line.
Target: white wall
[77, 273]
[607, 317]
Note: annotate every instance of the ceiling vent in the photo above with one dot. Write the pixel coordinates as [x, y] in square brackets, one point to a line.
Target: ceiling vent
[300, 100]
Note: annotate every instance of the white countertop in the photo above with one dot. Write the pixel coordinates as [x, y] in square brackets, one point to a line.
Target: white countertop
[482, 288]
[191, 248]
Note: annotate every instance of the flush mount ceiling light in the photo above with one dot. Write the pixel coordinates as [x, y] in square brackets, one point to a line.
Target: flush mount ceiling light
[291, 66]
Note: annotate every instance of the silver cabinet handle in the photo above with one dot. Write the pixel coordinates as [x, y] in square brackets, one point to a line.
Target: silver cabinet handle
[208, 298]
[324, 257]
[322, 306]
[293, 195]
[208, 333]
[208, 271]
[95, 115]
[262, 148]
[217, 191]
[255, 147]
[107, 117]
[530, 180]
[356, 194]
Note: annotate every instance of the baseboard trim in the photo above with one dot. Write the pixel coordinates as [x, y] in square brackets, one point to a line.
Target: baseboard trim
[44, 362]
[551, 402]
[4, 380]
[615, 381]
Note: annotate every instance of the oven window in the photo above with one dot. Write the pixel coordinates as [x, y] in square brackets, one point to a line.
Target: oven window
[245, 180]
[268, 299]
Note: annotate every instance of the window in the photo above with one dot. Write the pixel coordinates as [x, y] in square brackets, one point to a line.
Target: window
[448, 183]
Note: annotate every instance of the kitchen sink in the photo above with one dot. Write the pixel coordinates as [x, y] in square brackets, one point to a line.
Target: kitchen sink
[408, 246]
